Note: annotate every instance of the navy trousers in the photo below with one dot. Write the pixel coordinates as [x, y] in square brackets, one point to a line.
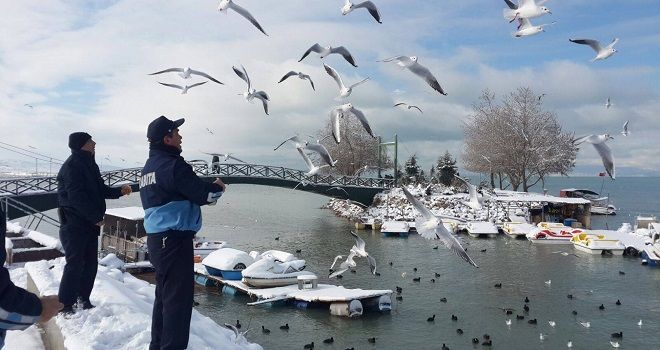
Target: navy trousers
[172, 258]
[80, 243]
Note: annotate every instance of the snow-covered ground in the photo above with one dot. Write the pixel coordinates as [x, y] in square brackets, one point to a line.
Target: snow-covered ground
[122, 317]
[29, 338]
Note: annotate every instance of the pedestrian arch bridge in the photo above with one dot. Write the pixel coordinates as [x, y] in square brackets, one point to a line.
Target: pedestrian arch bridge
[40, 193]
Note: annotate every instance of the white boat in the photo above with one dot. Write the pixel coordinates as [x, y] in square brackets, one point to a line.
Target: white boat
[599, 205]
[395, 228]
[644, 225]
[552, 233]
[269, 271]
[203, 247]
[227, 263]
[518, 230]
[594, 243]
[482, 229]
[651, 252]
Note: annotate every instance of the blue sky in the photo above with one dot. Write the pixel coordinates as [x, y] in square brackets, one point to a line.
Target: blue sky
[84, 67]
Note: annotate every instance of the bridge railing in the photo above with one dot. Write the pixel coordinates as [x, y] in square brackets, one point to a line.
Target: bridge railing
[18, 186]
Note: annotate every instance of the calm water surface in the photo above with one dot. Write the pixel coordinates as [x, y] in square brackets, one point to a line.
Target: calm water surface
[250, 217]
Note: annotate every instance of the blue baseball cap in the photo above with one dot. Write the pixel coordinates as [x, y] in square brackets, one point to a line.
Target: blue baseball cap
[162, 126]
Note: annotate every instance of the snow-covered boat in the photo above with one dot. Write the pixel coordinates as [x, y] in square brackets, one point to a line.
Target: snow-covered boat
[594, 243]
[204, 247]
[644, 225]
[552, 233]
[651, 252]
[274, 268]
[227, 263]
[517, 230]
[395, 228]
[366, 222]
[482, 229]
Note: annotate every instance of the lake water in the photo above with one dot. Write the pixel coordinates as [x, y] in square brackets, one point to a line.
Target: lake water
[250, 217]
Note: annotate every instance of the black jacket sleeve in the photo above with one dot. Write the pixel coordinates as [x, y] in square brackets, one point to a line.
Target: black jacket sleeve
[192, 187]
[18, 308]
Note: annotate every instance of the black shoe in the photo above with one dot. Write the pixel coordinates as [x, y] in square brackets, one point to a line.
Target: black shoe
[86, 305]
[67, 310]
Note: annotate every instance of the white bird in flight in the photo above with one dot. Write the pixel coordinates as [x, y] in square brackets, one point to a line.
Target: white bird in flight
[187, 73]
[601, 52]
[358, 250]
[184, 89]
[430, 226]
[225, 5]
[349, 263]
[608, 103]
[325, 51]
[251, 93]
[598, 141]
[343, 90]
[322, 151]
[300, 75]
[473, 201]
[370, 6]
[300, 143]
[524, 9]
[347, 110]
[625, 131]
[226, 156]
[526, 28]
[412, 65]
[409, 106]
[313, 169]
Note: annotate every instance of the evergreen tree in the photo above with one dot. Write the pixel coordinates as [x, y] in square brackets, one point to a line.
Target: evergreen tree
[411, 170]
[446, 169]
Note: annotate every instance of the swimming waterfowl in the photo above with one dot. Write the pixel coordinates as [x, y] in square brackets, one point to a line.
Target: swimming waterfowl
[454, 317]
[265, 330]
[329, 340]
[618, 302]
[601, 307]
[526, 299]
[285, 327]
[443, 299]
[532, 321]
[460, 331]
[309, 346]
[431, 319]
[238, 324]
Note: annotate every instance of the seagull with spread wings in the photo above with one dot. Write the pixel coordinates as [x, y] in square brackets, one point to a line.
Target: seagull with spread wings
[226, 156]
[300, 75]
[187, 73]
[408, 106]
[184, 89]
[347, 110]
[473, 201]
[601, 52]
[251, 93]
[343, 90]
[411, 63]
[325, 51]
[598, 141]
[370, 6]
[226, 5]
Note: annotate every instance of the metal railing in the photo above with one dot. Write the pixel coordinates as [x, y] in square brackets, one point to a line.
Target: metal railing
[34, 217]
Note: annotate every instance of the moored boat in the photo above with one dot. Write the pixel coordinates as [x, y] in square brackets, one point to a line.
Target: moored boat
[552, 233]
[203, 247]
[518, 230]
[269, 271]
[482, 229]
[594, 243]
[227, 263]
[395, 228]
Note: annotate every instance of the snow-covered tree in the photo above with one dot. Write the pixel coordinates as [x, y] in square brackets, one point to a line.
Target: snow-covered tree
[446, 167]
[411, 170]
[516, 140]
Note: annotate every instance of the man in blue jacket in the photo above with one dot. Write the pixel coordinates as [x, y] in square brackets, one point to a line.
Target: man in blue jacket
[171, 196]
[81, 196]
[19, 309]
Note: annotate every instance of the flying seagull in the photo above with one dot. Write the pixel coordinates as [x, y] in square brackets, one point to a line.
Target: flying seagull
[184, 89]
[225, 5]
[370, 6]
[473, 201]
[419, 70]
[358, 250]
[226, 156]
[526, 28]
[325, 51]
[349, 263]
[343, 90]
[430, 227]
[251, 93]
[300, 143]
[186, 73]
[209, 131]
[541, 96]
[625, 131]
[608, 103]
[601, 52]
[313, 169]
[28, 105]
[322, 151]
[409, 106]
[347, 109]
[300, 75]
[603, 150]
[524, 9]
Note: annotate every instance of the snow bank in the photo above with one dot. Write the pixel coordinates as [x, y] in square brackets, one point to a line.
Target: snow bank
[29, 338]
[122, 317]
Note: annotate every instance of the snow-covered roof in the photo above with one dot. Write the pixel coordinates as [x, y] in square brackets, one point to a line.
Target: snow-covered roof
[130, 213]
[513, 196]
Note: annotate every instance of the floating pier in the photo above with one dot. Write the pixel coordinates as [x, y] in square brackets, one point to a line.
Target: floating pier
[339, 300]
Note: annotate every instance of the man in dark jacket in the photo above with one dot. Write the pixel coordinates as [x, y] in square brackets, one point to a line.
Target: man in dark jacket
[171, 195]
[81, 196]
[19, 309]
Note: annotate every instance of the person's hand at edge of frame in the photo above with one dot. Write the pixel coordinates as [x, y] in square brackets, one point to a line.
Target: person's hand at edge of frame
[219, 182]
[50, 306]
[126, 190]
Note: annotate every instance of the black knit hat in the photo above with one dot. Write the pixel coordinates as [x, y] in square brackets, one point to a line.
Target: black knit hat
[162, 126]
[78, 139]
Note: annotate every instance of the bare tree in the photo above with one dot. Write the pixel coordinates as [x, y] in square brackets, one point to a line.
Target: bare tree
[356, 149]
[516, 141]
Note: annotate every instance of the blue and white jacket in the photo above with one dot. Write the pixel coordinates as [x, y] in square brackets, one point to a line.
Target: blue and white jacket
[19, 309]
[172, 193]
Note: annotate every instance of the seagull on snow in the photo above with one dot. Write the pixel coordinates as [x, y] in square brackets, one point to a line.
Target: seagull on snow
[184, 89]
[251, 93]
[430, 226]
[186, 73]
[300, 75]
[419, 70]
[605, 152]
[343, 90]
[347, 109]
[524, 9]
[225, 5]
[325, 51]
[601, 52]
[526, 28]
[370, 6]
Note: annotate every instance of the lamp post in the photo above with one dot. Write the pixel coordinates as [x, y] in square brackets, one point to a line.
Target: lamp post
[394, 143]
